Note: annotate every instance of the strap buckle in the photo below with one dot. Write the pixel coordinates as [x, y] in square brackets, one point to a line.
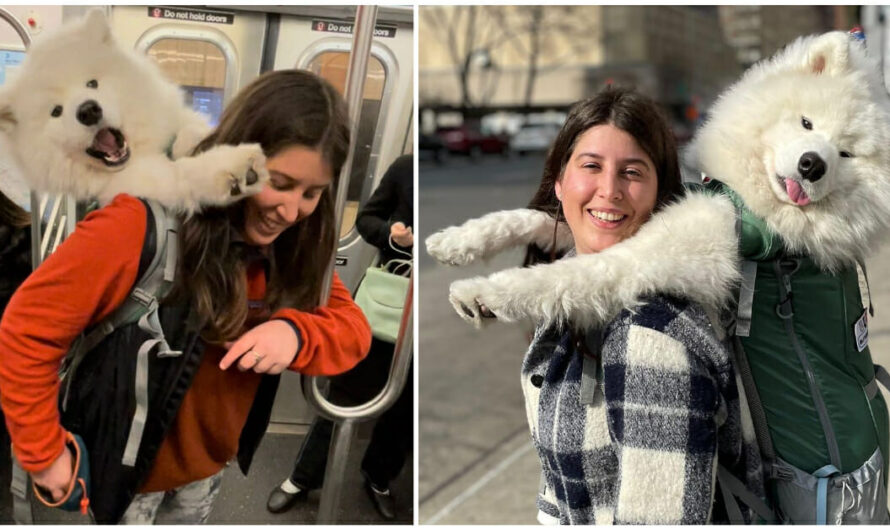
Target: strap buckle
[143, 297]
[785, 309]
[778, 472]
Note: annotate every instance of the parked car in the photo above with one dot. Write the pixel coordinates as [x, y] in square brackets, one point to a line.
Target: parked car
[534, 138]
[466, 140]
[432, 147]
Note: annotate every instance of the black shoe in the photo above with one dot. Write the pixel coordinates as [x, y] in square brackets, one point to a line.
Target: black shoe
[384, 502]
[280, 500]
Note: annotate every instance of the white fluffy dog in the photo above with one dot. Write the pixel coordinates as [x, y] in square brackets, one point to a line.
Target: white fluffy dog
[87, 117]
[803, 139]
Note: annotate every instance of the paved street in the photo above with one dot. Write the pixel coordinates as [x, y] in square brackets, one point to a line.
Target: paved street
[477, 464]
[476, 461]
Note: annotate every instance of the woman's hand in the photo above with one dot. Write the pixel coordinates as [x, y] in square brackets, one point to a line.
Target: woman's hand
[266, 349]
[56, 478]
[401, 234]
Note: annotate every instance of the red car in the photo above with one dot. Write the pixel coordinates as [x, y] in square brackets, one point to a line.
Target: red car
[469, 141]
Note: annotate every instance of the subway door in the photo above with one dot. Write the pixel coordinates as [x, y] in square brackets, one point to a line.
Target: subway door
[211, 54]
[12, 53]
[306, 43]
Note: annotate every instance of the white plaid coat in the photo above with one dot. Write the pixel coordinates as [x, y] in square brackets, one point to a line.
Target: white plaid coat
[643, 444]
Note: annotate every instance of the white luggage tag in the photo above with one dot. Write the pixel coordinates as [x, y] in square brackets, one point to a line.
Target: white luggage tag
[860, 331]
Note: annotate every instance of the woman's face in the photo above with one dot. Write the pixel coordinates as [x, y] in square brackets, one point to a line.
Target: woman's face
[608, 188]
[299, 175]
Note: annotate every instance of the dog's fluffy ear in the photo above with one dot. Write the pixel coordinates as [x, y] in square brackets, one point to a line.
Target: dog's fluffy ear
[97, 26]
[829, 54]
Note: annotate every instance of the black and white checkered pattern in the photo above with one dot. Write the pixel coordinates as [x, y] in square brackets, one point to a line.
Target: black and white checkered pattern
[665, 412]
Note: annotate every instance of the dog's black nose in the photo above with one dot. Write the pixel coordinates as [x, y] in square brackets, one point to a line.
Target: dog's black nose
[811, 166]
[89, 112]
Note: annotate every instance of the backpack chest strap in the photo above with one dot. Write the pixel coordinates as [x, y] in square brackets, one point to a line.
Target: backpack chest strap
[746, 298]
[150, 323]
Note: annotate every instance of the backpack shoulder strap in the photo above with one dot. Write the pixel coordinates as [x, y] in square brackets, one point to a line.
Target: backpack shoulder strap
[19, 485]
[157, 272]
[745, 304]
[732, 488]
[160, 252]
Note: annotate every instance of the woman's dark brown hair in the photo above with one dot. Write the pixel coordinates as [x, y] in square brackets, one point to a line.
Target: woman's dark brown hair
[11, 214]
[629, 111]
[278, 110]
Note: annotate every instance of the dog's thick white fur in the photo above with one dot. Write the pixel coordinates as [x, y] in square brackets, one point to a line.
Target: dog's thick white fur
[692, 242]
[487, 236]
[756, 135]
[79, 91]
[821, 94]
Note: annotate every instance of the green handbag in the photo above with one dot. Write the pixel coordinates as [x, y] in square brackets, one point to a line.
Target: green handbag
[381, 296]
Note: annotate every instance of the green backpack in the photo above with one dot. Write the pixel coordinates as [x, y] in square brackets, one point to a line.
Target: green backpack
[800, 340]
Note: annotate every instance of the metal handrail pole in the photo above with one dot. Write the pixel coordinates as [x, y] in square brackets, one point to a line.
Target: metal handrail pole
[356, 73]
[56, 229]
[398, 375]
[342, 436]
[363, 34]
[35, 199]
[35, 229]
[52, 226]
[346, 418]
[17, 26]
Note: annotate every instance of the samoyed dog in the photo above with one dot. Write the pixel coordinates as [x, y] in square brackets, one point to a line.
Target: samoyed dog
[802, 138]
[88, 117]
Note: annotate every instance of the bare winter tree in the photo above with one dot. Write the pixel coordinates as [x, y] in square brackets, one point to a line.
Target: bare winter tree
[545, 36]
[549, 37]
[465, 37]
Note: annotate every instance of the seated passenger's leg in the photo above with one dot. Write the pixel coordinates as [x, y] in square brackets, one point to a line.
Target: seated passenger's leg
[390, 444]
[308, 472]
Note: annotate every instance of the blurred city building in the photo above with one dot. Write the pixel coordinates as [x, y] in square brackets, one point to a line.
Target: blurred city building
[475, 60]
[756, 32]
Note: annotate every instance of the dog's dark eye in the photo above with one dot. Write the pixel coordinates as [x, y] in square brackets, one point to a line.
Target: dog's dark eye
[807, 124]
[846, 154]
[57, 111]
[92, 83]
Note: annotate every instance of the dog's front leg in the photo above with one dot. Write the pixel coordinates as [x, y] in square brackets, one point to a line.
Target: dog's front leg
[216, 177]
[490, 234]
[224, 173]
[193, 128]
[687, 250]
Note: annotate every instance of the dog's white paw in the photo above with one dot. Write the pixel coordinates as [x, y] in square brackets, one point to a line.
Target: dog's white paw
[474, 301]
[241, 171]
[449, 246]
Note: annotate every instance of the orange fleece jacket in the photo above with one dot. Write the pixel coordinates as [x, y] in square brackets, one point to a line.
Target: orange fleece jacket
[89, 276]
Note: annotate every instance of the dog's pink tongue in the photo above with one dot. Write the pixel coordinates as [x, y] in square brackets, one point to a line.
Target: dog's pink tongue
[104, 141]
[796, 193]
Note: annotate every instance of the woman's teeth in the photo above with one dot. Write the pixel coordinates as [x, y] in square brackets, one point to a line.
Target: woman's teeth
[269, 225]
[607, 216]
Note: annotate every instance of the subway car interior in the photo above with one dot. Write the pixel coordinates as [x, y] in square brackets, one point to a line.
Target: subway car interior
[211, 52]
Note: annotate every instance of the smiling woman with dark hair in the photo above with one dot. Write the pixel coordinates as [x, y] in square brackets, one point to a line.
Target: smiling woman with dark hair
[245, 307]
[631, 397]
